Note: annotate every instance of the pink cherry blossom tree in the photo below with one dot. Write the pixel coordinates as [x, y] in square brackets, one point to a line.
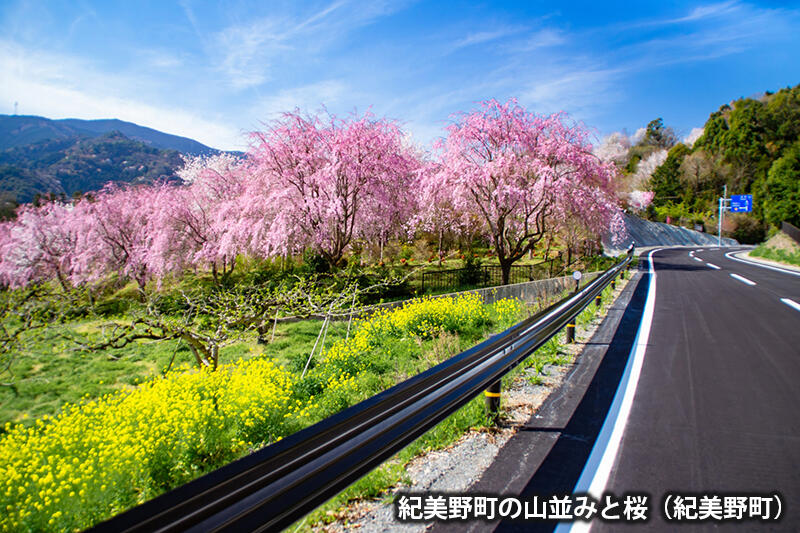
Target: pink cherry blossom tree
[519, 173]
[322, 183]
[115, 228]
[639, 200]
[38, 246]
[193, 224]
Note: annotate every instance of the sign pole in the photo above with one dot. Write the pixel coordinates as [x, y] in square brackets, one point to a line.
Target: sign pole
[721, 214]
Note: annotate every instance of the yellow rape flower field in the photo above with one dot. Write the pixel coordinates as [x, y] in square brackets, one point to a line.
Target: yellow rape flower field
[102, 456]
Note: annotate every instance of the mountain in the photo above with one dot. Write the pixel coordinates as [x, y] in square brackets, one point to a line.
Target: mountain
[20, 130]
[40, 156]
[70, 165]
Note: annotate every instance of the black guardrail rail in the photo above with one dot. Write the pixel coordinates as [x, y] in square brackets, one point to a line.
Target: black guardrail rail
[275, 486]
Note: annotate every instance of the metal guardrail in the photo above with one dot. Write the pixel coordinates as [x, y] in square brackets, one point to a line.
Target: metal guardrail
[791, 230]
[275, 486]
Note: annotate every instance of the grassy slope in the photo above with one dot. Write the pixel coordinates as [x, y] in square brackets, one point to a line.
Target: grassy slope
[779, 248]
[51, 372]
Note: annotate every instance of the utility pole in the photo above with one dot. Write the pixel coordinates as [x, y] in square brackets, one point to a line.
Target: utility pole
[722, 208]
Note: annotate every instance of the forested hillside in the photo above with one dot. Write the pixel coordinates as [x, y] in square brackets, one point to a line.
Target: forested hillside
[75, 165]
[752, 145]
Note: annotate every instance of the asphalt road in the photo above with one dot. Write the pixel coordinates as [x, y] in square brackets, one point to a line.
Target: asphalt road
[717, 407]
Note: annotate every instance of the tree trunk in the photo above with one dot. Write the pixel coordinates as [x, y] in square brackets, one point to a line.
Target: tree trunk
[142, 282]
[505, 269]
[441, 235]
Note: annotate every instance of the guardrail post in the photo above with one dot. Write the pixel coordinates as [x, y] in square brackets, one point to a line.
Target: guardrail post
[571, 332]
[492, 395]
[597, 301]
[614, 284]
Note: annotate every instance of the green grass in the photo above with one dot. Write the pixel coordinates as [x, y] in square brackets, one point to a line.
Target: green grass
[51, 371]
[776, 254]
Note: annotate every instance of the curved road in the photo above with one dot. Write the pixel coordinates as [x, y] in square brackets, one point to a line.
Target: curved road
[704, 399]
[717, 407]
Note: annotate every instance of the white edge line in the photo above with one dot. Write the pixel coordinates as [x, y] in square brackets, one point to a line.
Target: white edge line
[791, 303]
[712, 265]
[754, 263]
[597, 470]
[742, 279]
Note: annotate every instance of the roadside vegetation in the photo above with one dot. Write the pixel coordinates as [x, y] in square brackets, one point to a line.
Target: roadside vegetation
[98, 457]
[779, 248]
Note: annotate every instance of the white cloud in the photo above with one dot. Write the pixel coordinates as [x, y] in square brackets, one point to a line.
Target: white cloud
[544, 38]
[708, 11]
[308, 98]
[486, 36]
[245, 53]
[576, 90]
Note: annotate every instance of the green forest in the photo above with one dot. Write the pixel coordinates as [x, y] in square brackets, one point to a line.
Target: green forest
[752, 145]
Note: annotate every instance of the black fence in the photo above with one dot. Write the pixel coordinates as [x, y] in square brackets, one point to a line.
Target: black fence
[483, 276]
[275, 486]
[791, 230]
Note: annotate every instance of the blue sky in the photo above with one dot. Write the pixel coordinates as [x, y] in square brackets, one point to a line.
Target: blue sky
[213, 71]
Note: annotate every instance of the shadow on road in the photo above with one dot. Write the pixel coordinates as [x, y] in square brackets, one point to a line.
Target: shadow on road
[562, 467]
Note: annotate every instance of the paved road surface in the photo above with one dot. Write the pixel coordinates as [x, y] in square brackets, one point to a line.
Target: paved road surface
[717, 408]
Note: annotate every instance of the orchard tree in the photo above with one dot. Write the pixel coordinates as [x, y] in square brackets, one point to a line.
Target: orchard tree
[437, 214]
[322, 183]
[520, 173]
[640, 200]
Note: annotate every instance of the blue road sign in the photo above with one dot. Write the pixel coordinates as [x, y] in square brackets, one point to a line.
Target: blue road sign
[741, 203]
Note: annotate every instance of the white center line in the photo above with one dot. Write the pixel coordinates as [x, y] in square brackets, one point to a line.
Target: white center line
[791, 303]
[712, 265]
[742, 279]
[697, 259]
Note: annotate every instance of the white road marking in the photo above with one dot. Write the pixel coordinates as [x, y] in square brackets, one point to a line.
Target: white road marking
[691, 254]
[791, 303]
[604, 453]
[742, 279]
[697, 259]
[778, 269]
[712, 265]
